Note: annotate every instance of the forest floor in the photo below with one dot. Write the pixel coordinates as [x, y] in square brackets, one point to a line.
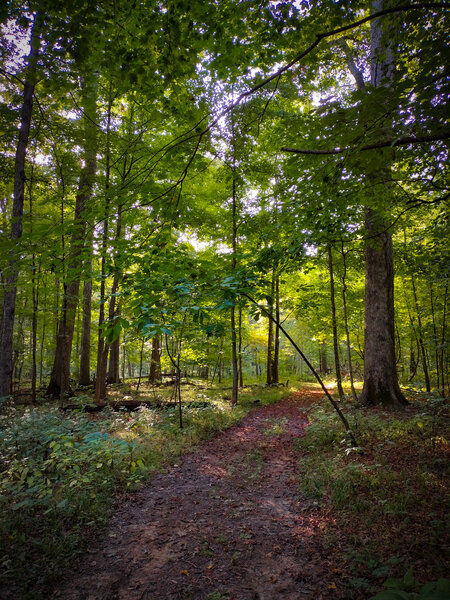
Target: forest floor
[226, 522]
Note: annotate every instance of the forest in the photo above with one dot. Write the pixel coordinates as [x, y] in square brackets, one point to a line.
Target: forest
[210, 211]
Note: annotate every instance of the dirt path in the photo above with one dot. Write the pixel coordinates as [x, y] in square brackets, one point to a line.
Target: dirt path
[225, 523]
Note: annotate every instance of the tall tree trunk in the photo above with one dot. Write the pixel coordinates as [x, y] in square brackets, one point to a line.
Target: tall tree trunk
[276, 344]
[234, 358]
[41, 349]
[114, 360]
[380, 375]
[102, 346]
[85, 354]
[241, 373]
[420, 336]
[334, 323]
[444, 363]
[155, 361]
[60, 376]
[35, 300]
[141, 356]
[435, 334]
[347, 332]
[9, 300]
[269, 372]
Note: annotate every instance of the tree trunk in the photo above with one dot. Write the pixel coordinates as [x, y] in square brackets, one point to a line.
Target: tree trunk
[269, 367]
[420, 337]
[234, 358]
[380, 375]
[334, 322]
[9, 299]
[155, 361]
[60, 376]
[347, 332]
[241, 374]
[85, 354]
[276, 345]
[114, 359]
[102, 346]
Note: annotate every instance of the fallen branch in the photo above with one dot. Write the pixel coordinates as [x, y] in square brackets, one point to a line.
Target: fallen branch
[341, 415]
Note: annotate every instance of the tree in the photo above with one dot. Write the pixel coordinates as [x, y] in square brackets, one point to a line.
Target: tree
[60, 376]
[9, 300]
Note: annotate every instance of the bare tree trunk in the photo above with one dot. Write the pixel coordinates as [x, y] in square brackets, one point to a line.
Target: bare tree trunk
[155, 361]
[420, 336]
[443, 344]
[347, 332]
[141, 356]
[85, 354]
[102, 346]
[334, 323]
[241, 374]
[60, 376]
[276, 345]
[41, 349]
[114, 359]
[269, 373]
[9, 300]
[234, 359]
[380, 375]
[436, 351]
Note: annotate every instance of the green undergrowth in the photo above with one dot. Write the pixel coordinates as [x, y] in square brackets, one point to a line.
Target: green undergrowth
[387, 501]
[59, 473]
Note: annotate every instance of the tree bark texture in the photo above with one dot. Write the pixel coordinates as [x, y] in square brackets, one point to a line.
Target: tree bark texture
[114, 360]
[380, 375]
[9, 299]
[60, 375]
[155, 361]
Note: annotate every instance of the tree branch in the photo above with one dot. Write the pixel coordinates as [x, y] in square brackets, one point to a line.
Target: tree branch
[320, 36]
[401, 141]
[346, 424]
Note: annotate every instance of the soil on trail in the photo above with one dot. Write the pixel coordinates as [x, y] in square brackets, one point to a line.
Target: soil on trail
[225, 523]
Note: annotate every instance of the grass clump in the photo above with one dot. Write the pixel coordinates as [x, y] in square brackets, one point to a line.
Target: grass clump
[389, 504]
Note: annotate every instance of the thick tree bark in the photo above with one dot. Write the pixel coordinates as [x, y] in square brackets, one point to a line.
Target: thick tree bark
[9, 300]
[60, 376]
[155, 361]
[380, 375]
[114, 361]
[337, 362]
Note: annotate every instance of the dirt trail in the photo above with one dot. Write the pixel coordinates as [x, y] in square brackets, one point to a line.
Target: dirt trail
[225, 523]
